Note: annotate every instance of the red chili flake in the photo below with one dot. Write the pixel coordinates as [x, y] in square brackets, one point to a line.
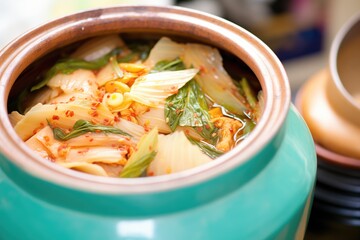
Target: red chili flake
[94, 113]
[207, 126]
[69, 113]
[202, 69]
[46, 138]
[72, 99]
[95, 104]
[55, 117]
[106, 120]
[173, 89]
[56, 108]
[151, 174]
[83, 151]
[116, 119]
[98, 131]
[91, 139]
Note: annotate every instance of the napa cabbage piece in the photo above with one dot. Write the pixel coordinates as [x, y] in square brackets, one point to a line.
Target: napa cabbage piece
[15, 117]
[98, 47]
[96, 154]
[63, 115]
[39, 147]
[155, 117]
[213, 78]
[80, 80]
[164, 49]
[175, 153]
[68, 66]
[140, 160]
[135, 130]
[99, 139]
[85, 167]
[152, 89]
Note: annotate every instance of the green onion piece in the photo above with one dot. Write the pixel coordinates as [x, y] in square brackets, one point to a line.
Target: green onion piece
[116, 67]
[249, 93]
[141, 159]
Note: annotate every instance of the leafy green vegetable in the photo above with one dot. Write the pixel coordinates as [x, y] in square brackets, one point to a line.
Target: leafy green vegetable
[81, 127]
[140, 50]
[166, 65]
[189, 108]
[68, 66]
[141, 159]
[207, 148]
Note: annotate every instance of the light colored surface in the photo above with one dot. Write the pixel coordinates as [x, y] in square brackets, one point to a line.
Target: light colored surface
[19, 16]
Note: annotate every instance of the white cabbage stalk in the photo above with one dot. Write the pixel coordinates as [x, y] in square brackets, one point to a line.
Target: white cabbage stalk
[164, 49]
[106, 74]
[135, 130]
[43, 95]
[213, 78]
[92, 139]
[152, 89]
[36, 118]
[96, 154]
[46, 137]
[98, 47]
[15, 117]
[175, 153]
[71, 97]
[155, 117]
[80, 80]
[85, 167]
[38, 147]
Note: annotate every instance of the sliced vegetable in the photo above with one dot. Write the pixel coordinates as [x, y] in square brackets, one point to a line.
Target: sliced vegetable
[189, 108]
[98, 47]
[152, 89]
[117, 69]
[80, 80]
[164, 49]
[141, 159]
[70, 65]
[166, 65]
[176, 153]
[206, 148]
[249, 94]
[82, 127]
[213, 79]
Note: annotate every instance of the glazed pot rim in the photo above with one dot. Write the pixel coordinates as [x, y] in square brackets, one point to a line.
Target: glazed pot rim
[333, 60]
[267, 68]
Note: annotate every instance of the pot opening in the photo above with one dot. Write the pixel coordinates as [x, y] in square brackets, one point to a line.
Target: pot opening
[66, 100]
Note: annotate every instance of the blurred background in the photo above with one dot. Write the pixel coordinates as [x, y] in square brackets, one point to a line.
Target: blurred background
[300, 33]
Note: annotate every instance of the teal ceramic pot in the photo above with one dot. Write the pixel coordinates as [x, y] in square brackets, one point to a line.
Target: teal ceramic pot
[262, 189]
